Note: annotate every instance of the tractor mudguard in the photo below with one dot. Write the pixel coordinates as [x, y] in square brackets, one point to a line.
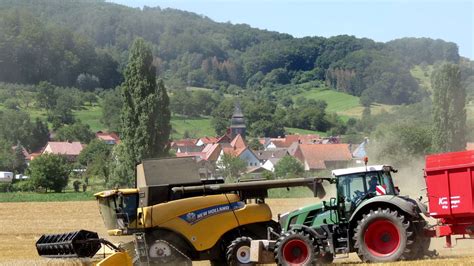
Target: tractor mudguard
[308, 229]
[401, 203]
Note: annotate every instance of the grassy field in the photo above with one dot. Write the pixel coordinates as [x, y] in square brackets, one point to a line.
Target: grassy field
[91, 115]
[19, 232]
[300, 131]
[422, 75]
[45, 197]
[343, 104]
[196, 127]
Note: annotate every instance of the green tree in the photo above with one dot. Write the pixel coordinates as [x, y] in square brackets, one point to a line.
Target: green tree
[46, 96]
[254, 144]
[75, 132]
[39, 135]
[6, 155]
[398, 143]
[449, 113]
[95, 157]
[49, 171]
[231, 166]
[145, 114]
[111, 108]
[19, 159]
[288, 167]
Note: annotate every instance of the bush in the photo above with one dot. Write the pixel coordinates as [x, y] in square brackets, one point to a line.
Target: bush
[49, 171]
[23, 186]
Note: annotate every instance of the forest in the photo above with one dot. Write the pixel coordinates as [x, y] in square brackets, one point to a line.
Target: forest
[85, 44]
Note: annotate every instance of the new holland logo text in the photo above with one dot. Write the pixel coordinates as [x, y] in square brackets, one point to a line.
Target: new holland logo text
[198, 215]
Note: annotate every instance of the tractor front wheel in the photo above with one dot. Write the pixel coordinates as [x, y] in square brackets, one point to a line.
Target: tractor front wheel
[296, 248]
[238, 252]
[383, 235]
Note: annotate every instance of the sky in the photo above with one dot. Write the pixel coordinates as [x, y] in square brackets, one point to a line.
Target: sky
[380, 20]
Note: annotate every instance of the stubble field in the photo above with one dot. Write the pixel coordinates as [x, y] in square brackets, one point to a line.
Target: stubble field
[21, 224]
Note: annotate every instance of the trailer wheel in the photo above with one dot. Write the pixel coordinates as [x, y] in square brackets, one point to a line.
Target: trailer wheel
[382, 235]
[238, 252]
[296, 248]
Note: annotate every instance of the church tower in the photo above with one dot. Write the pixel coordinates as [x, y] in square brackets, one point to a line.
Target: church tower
[237, 123]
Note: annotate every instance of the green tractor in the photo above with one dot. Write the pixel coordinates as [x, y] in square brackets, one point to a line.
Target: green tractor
[367, 216]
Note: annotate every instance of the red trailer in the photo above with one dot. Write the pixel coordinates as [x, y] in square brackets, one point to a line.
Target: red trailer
[450, 189]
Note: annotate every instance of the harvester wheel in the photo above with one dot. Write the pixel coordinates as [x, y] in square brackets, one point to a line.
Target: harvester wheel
[383, 235]
[166, 248]
[238, 252]
[296, 248]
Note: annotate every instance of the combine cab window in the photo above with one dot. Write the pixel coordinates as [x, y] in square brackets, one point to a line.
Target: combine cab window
[107, 210]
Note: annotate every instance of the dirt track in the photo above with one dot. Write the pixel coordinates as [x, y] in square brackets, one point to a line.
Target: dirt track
[21, 224]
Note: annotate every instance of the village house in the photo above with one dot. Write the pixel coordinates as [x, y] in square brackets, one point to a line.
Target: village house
[69, 149]
[108, 137]
[316, 157]
[238, 148]
[269, 158]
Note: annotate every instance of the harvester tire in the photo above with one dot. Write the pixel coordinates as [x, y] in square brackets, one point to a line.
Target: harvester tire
[238, 252]
[167, 248]
[296, 248]
[382, 236]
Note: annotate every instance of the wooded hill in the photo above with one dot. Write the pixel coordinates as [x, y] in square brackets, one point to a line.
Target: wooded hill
[85, 44]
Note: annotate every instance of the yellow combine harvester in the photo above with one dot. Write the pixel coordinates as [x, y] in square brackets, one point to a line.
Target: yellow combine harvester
[177, 216]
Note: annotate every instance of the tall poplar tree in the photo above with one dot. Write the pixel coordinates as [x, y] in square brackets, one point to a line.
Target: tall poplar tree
[145, 113]
[449, 113]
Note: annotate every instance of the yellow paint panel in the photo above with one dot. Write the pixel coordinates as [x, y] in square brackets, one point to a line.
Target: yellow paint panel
[118, 258]
[158, 214]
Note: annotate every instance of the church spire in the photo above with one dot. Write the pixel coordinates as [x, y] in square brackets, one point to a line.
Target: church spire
[237, 123]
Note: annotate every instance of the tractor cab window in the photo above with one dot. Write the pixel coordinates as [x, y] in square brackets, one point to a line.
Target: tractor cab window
[351, 187]
[387, 183]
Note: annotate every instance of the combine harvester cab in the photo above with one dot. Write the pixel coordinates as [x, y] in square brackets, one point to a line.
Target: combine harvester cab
[450, 189]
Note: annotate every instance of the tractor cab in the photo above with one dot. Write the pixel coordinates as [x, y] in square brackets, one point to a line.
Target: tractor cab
[118, 209]
[354, 185]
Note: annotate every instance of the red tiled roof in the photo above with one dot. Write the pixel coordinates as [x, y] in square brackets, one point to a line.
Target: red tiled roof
[65, 148]
[209, 140]
[191, 154]
[183, 142]
[108, 136]
[233, 151]
[315, 155]
[212, 152]
[238, 142]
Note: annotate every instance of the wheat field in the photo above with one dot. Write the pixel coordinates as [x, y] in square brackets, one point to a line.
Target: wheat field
[21, 224]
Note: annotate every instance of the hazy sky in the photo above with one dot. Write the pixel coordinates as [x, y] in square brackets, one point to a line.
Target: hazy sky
[379, 20]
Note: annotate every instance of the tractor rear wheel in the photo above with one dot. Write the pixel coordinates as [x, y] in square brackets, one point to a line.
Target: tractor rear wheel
[421, 249]
[238, 252]
[296, 248]
[383, 235]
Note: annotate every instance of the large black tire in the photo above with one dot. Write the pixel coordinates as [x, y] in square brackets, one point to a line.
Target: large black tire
[326, 258]
[238, 252]
[167, 248]
[296, 248]
[382, 236]
[421, 248]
